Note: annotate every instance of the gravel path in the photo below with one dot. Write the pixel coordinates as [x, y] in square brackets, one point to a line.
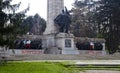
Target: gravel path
[99, 71]
[65, 57]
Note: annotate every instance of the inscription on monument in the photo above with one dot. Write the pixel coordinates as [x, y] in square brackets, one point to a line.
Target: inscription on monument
[67, 43]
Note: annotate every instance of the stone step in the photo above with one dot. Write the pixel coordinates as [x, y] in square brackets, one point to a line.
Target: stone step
[70, 51]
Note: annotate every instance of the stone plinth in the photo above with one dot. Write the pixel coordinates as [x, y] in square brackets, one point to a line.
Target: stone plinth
[49, 43]
[62, 43]
[48, 40]
[65, 42]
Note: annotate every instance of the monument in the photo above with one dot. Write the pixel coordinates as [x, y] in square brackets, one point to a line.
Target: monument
[57, 39]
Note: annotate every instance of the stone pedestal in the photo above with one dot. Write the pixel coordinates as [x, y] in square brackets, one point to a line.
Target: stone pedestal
[65, 42]
[49, 44]
[48, 40]
[62, 43]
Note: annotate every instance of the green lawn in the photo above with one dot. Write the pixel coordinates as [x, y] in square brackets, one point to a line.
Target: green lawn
[34, 67]
[48, 67]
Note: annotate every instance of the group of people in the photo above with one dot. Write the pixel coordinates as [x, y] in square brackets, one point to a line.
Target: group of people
[28, 44]
[89, 46]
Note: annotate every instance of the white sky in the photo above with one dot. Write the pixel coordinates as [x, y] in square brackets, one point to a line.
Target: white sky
[39, 6]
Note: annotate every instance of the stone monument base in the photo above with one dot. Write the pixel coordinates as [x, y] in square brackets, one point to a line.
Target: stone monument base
[70, 51]
[65, 42]
[49, 44]
[61, 43]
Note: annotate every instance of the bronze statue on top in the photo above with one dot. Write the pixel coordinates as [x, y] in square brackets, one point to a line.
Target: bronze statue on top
[63, 20]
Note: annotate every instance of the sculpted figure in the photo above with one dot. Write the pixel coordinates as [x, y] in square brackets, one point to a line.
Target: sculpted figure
[63, 20]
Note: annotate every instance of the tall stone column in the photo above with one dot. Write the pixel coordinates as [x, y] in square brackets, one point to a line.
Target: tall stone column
[54, 8]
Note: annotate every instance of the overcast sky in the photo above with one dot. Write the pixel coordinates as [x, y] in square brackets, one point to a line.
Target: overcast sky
[39, 6]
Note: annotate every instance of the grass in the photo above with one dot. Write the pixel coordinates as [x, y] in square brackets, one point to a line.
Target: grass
[48, 67]
[92, 67]
[34, 67]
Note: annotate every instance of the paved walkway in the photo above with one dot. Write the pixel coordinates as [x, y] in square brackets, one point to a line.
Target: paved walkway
[100, 62]
[99, 71]
[64, 57]
[78, 62]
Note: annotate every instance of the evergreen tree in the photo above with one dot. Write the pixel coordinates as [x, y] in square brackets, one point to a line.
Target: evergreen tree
[107, 16]
[10, 21]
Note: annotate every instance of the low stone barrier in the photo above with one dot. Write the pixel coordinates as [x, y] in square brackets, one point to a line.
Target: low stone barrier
[26, 52]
